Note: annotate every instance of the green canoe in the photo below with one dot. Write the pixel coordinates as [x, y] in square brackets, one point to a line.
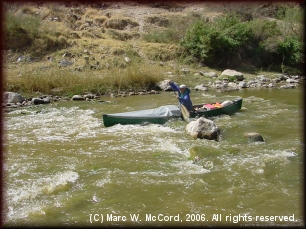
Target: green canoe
[162, 114]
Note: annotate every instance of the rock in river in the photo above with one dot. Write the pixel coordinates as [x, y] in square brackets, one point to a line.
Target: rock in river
[254, 137]
[12, 97]
[203, 128]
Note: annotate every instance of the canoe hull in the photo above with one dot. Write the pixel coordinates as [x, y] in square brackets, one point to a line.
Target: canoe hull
[158, 115]
[128, 119]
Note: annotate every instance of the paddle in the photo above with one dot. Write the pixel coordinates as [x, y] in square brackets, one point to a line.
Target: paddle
[184, 111]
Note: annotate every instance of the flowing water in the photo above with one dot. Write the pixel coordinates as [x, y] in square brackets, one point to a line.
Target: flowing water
[63, 167]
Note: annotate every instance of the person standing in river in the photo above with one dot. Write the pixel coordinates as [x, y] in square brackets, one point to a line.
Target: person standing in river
[183, 94]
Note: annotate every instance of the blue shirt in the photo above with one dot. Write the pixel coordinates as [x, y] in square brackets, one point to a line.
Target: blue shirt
[184, 98]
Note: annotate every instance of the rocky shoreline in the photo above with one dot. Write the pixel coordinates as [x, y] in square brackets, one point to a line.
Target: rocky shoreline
[229, 80]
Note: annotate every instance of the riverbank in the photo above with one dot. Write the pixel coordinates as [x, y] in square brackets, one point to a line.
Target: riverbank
[110, 48]
[221, 84]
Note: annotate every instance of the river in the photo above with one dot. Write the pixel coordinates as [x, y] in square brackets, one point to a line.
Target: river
[62, 167]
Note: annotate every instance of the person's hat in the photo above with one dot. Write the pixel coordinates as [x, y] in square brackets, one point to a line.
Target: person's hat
[183, 86]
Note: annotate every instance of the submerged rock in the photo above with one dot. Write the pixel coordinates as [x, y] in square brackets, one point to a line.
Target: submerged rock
[254, 137]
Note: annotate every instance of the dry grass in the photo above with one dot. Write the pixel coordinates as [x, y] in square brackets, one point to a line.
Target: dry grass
[49, 78]
[120, 23]
[99, 20]
[90, 13]
[160, 52]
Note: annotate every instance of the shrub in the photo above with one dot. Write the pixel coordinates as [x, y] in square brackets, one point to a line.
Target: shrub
[215, 44]
[292, 21]
[228, 41]
[20, 31]
[263, 29]
[290, 51]
[24, 33]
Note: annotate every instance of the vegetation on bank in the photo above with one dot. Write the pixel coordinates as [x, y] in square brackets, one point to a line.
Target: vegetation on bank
[57, 81]
[230, 40]
[252, 38]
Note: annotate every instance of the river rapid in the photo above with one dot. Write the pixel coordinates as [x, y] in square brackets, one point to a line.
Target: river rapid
[62, 167]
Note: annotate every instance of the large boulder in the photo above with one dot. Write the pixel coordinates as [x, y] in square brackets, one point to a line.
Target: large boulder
[204, 129]
[232, 73]
[163, 85]
[12, 97]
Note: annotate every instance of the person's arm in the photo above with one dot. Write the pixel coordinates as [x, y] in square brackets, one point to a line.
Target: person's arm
[174, 86]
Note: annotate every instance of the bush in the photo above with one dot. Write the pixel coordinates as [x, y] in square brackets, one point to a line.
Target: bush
[24, 33]
[292, 21]
[290, 51]
[265, 36]
[20, 31]
[229, 41]
[216, 43]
